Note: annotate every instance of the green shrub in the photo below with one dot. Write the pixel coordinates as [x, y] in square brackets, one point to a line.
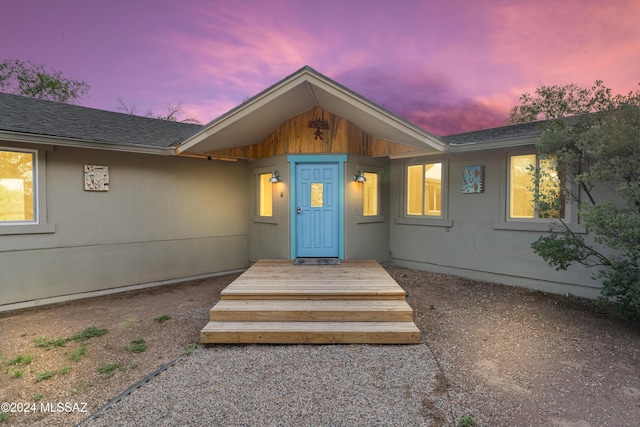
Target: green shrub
[108, 369]
[45, 375]
[88, 333]
[23, 359]
[48, 343]
[467, 421]
[137, 346]
[77, 355]
[162, 318]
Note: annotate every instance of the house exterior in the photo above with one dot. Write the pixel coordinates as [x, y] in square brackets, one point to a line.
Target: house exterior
[94, 202]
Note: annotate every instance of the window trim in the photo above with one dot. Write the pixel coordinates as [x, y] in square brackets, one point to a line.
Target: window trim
[360, 216]
[273, 219]
[39, 225]
[439, 221]
[505, 222]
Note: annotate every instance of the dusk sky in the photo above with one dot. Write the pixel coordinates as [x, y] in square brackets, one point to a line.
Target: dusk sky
[447, 66]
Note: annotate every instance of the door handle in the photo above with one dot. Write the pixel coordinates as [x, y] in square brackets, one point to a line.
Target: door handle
[299, 210]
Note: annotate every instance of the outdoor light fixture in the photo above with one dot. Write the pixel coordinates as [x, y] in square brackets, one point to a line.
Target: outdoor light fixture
[275, 177]
[359, 177]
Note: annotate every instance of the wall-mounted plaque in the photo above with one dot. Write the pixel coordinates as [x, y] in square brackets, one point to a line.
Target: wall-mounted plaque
[473, 179]
[96, 178]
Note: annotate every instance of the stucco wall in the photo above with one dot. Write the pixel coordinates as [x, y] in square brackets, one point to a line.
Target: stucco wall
[269, 238]
[366, 237]
[164, 218]
[476, 245]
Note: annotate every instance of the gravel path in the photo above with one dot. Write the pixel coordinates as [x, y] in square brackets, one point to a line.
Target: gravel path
[301, 385]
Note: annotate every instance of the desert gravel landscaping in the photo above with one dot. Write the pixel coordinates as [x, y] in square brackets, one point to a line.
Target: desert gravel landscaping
[492, 354]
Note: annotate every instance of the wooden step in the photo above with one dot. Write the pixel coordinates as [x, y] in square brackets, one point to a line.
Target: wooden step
[311, 289]
[277, 302]
[311, 311]
[310, 333]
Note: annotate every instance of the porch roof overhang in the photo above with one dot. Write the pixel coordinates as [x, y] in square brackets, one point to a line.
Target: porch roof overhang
[255, 119]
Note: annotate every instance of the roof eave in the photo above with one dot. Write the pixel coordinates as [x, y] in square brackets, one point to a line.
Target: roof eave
[491, 145]
[21, 137]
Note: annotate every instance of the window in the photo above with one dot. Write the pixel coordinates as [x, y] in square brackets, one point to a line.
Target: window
[424, 190]
[17, 186]
[534, 187]
[265, 191]
[370, 206]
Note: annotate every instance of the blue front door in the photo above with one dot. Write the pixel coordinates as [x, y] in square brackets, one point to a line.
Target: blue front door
[317, 210]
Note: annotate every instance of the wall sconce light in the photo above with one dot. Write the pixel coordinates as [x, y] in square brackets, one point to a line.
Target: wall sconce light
[359, 177]
[275, 177]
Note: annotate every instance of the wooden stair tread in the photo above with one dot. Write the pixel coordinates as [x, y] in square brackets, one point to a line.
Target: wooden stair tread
[310, 332]
[312, 310]
[311, 290]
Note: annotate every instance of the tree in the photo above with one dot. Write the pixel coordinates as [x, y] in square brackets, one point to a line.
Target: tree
[173, 112]
[596, 137]
[29, 79]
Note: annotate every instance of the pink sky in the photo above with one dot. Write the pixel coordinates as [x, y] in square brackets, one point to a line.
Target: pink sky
[447, 66]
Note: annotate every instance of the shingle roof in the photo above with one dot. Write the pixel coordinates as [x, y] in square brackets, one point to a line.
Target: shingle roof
[47, 118]
[510, 132]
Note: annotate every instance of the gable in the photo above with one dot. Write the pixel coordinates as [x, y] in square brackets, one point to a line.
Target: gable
[260, 116]
[294, 136]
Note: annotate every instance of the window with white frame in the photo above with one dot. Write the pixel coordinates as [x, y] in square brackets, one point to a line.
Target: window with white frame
[424, 190]
[265, 195]
[535, 185]
[18, 186]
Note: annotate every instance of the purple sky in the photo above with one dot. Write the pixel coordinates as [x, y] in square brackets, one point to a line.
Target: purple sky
[448, 66]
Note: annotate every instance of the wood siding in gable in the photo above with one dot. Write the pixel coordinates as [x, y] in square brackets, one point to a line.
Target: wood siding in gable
[295, 137]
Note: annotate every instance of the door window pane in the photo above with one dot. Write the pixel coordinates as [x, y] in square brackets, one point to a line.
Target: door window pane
[317, 195]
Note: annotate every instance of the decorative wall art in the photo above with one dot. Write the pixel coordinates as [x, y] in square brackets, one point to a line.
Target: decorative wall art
[96, 178]
[318, 124]
[472, 179]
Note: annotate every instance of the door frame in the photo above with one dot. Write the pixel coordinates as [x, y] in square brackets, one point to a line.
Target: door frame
[294, 160]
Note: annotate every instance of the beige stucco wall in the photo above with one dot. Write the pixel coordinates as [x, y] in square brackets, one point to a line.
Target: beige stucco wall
[168, 218]
[476, 245]
[164, 218]
[269, 237]
[365, 237]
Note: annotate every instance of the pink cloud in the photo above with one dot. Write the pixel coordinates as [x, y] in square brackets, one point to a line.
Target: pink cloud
[577, 41]
[428, 99]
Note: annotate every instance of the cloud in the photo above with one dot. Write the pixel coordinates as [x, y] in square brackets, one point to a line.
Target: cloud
[573, 41]
[446, 66]
[426, 98]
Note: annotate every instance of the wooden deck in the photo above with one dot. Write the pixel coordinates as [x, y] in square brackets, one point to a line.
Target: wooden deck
[278, 302]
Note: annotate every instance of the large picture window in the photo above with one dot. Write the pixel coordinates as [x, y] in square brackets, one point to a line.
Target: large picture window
[17, 186]
[535, 187]
[424, 190]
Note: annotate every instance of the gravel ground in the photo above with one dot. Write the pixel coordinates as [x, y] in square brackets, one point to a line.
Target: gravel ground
[502, 355]
[304, 385]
